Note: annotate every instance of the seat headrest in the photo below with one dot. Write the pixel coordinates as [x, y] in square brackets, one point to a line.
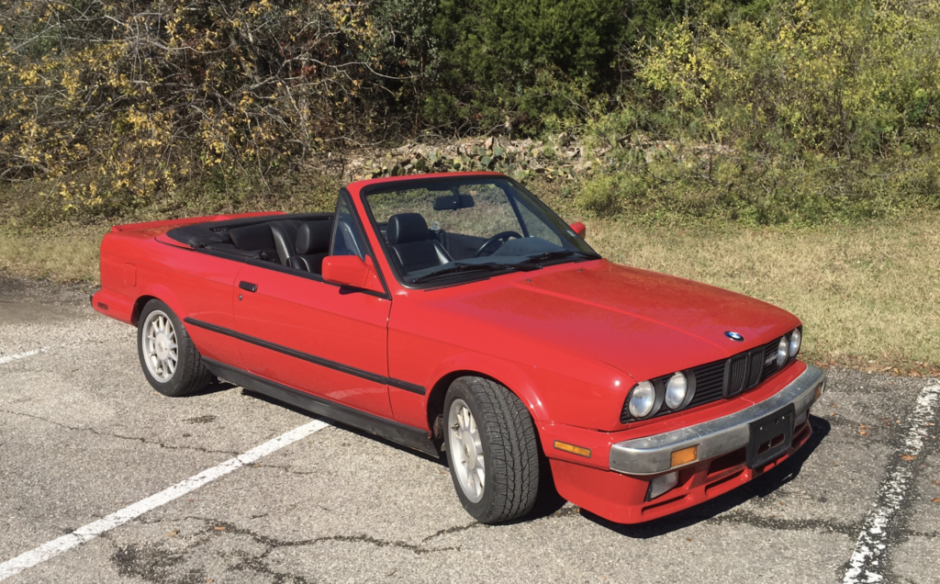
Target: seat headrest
[252, 237]
[314, 237]
[407, 227]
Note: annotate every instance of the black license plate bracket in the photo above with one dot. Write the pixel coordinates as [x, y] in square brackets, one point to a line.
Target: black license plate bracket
[771, 436]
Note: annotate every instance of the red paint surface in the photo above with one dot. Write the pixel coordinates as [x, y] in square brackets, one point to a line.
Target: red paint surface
[570, 340]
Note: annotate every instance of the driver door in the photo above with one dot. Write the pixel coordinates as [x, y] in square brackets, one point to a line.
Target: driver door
[315, 336]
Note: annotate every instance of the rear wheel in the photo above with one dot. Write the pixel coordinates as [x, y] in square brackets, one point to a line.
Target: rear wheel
[167, 355]
[492, 450]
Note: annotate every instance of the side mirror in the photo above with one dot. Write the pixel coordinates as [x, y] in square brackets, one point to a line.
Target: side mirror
[580, 229]
[349, 270]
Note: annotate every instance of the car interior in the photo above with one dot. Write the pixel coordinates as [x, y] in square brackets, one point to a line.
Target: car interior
[412, 244]
[416, 246]
[299, 241]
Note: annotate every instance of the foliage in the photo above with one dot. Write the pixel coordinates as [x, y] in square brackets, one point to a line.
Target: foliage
[510, 62]
[752, 110]
[841, 77]
[113, 102]
[520, 159]
[675, 184]
[816, 110]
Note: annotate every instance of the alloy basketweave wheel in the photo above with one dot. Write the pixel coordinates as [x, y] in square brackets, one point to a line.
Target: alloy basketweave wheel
[167, 355]
[492, 450]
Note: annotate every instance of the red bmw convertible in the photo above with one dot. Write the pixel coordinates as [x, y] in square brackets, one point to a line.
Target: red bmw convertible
[458, 313]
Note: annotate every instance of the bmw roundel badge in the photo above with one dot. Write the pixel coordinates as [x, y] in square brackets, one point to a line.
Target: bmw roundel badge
[734, 336]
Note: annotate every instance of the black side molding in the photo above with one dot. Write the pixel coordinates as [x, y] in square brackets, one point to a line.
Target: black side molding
[375, 377]
[408, 436]
[412, 387]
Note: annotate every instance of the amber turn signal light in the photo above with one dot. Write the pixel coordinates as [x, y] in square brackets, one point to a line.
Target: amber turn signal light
[579, 450]
[684, 456]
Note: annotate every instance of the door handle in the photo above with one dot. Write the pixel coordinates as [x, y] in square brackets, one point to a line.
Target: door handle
[248, 286]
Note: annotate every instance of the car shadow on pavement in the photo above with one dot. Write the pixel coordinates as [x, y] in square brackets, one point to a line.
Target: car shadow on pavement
[759, 487]
[213, 387]
[550, 503]
[442, 460]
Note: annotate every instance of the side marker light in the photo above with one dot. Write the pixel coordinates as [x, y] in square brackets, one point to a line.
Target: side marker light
[579, 450]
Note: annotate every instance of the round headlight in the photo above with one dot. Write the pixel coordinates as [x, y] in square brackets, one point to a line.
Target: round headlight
[783, 351]
[676, 389]
[796, 338]
[642, 400]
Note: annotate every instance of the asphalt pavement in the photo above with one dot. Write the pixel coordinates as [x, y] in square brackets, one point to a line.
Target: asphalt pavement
[103, 480]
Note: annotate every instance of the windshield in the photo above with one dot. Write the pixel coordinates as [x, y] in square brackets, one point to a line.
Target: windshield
[442, 229]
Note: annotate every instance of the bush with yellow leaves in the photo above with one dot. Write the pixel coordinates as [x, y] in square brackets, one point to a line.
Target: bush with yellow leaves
[842, 77]
[108, 103]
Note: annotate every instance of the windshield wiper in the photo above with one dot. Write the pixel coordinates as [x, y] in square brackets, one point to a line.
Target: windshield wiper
[487, 267]
[557, 255]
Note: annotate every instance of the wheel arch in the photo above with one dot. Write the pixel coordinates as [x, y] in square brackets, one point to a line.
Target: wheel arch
[160, 293]
[139, 307]
[509, 377]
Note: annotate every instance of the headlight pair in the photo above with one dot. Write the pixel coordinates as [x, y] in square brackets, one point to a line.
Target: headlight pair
[789, 346]
[648, 397]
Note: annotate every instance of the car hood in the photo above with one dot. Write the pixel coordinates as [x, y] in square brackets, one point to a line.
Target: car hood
[643, 323]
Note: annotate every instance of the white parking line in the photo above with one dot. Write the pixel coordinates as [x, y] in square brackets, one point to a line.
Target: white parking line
[11, 358]
[92, 530]
[866, 564]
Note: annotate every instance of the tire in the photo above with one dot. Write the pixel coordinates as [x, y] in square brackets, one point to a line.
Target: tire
[500, 432]
[172, 371]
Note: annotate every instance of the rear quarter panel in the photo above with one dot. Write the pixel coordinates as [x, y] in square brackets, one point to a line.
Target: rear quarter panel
[136, 266]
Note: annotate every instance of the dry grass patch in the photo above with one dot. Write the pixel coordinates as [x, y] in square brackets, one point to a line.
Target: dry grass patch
[869, 295]
[59, 257]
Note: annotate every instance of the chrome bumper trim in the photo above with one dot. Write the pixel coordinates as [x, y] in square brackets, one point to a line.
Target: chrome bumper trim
[651, 455]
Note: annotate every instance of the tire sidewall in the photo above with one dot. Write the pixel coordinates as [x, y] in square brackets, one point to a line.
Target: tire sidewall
[173, 387]
[460, 389]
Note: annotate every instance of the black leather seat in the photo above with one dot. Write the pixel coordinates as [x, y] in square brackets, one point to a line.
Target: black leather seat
[256, 239]
[285, 234]
[311, 246]
[412, 243]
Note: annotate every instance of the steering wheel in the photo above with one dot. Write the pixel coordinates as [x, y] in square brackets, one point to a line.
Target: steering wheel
[500, 238]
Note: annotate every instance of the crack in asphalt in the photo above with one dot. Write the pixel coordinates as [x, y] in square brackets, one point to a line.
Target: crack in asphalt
[287, 469]
[156, 563]
[120, 436]
[273, 543]
[775, 523]
[454, 529]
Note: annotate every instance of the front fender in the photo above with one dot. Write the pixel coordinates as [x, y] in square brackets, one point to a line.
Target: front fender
[505, 372]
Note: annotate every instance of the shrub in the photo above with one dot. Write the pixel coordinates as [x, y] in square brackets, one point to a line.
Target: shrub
[833, 76]
[677, 184]
[134, 99]
[510, 63]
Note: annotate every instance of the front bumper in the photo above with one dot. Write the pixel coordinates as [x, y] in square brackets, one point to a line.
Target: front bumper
[652, 455]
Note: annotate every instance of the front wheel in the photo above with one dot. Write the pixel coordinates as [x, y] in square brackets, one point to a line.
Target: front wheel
[167, 355]
[492, 450]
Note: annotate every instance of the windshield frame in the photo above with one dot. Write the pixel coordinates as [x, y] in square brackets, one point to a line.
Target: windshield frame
[539, 208]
